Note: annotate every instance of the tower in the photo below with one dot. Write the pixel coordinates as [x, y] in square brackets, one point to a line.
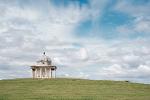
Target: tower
[44, 68]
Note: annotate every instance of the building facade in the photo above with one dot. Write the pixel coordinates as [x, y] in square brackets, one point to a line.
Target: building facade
[44, 68]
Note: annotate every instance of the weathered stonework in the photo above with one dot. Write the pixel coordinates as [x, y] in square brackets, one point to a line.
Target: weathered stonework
[44, 68]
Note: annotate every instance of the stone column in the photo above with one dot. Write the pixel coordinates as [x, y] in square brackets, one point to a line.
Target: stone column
[45, 73]
[55, 73]
[33, 72]
[48, 70]
[37, 73]
[41, 73]
[51, 72]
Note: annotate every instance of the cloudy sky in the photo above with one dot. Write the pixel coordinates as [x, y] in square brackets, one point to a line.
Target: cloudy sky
[92, 39]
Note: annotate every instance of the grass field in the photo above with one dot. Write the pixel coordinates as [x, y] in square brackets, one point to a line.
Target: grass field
[72, 89]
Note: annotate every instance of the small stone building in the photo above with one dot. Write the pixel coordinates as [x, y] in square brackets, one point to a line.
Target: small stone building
[44, 68]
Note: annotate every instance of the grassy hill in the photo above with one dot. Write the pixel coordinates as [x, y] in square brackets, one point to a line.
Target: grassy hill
[72, 89]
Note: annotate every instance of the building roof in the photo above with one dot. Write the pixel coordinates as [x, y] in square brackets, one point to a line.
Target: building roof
[44, 61]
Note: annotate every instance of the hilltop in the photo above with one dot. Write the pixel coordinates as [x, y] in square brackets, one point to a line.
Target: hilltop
[72, 89]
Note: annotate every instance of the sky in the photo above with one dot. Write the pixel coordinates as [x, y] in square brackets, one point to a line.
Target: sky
[89, 39]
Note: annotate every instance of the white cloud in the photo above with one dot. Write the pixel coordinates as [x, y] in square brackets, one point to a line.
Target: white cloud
[83, 54]
[140, 21]
[142, 25]
[137, 26]
[133, 9]
[20, 13]
[118, 72]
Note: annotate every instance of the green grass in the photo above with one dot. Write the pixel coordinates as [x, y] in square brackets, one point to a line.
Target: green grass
[72, 89]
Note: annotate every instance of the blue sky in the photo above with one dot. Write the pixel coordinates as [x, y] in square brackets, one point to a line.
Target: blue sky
[92, 39]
